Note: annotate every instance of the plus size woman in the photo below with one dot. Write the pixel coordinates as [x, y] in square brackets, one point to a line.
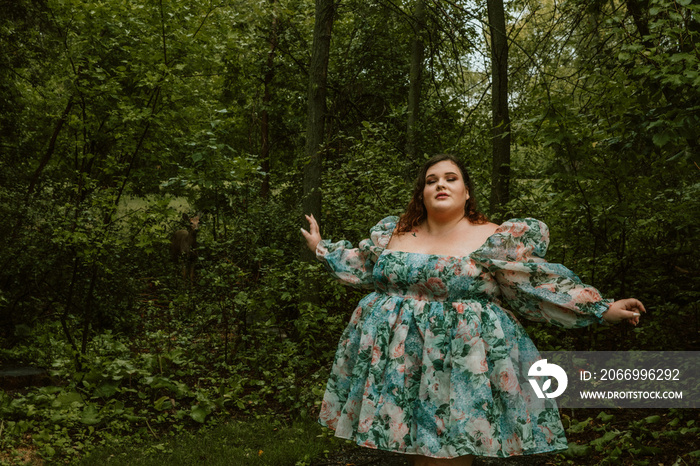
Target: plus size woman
[434, 361]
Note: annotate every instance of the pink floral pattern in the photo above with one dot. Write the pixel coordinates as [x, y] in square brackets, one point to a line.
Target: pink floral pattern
[433, 361]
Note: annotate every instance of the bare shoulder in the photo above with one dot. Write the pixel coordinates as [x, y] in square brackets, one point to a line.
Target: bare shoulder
[488, 228]
[400, 238]
[481, 232]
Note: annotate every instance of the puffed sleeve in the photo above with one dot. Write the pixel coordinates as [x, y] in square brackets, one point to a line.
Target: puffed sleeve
[354, 266]
[539, 290]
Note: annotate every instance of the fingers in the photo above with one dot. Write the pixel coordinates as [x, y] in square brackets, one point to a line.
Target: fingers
[633, 309]
[629, 310]
[313, 234]
[631, 317]
[637, 305]
[308, 234]
[313, 224]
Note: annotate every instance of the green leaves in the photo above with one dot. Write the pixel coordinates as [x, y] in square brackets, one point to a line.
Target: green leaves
[199, 414]
[576, 450]
[661, 139]
[68, 399]
[90, 415]
[630, 434]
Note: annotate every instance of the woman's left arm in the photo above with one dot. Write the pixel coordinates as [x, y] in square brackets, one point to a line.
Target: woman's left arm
[545, 291]
[624, 310]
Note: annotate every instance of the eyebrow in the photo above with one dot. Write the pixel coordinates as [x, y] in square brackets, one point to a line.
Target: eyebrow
[447, 173]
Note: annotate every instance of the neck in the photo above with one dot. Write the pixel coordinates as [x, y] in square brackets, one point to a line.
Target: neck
[441, 224]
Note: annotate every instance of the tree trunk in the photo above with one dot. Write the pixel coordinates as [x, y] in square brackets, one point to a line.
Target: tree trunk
[267, 98]
[500, 176]
[318, 73]
[50, 150]
[415, 79]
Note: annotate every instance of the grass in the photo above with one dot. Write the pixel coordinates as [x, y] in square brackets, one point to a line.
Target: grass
[256, 441]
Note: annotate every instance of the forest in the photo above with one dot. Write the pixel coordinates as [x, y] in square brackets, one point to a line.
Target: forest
[126, 121]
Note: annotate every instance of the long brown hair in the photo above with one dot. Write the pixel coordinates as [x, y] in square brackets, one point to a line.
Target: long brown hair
[415, 212]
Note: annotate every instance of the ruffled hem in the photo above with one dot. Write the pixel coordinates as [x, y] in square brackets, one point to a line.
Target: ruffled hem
[553, 449]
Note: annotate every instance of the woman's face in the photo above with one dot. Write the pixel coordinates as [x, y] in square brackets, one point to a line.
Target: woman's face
[444, 191]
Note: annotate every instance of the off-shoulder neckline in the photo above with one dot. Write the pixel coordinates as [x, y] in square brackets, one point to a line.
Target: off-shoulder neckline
[445, 256]
[439, 256]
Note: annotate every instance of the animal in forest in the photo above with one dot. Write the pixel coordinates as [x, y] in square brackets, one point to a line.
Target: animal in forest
[183, 246]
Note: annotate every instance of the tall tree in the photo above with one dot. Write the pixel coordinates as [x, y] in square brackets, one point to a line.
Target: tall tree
[500, 177]
[267, 97]
[315, 122]
[415, 77]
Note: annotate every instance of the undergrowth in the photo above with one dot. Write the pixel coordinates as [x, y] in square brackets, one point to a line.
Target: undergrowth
[183, 365]
[257, 440]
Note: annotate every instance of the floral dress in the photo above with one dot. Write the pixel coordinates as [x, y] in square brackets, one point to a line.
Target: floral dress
[433, 361]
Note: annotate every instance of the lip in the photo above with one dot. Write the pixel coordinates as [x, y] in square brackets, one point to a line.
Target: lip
[442, 196]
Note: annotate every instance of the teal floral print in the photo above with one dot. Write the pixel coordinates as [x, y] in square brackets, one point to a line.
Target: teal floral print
[434, 361]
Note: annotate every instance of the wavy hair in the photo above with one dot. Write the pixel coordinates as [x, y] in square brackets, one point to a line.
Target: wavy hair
[416, 213]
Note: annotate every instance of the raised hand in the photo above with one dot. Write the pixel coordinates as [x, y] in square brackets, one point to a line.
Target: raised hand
[313, 236]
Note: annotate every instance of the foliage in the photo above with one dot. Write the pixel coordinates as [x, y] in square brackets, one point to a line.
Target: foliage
[631, 436]
[171, 375]
[117, 117]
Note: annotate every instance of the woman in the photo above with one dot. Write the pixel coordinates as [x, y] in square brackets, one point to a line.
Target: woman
[434, 363]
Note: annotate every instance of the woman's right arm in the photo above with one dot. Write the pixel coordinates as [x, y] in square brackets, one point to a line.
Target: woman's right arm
[352, 266]
[313, 236]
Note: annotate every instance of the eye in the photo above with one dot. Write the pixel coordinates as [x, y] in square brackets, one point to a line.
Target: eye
[430, 181]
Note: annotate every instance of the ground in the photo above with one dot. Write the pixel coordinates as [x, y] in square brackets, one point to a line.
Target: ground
[656, 439]
[367, 457]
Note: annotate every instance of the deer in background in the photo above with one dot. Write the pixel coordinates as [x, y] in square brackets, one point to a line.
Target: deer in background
[184, 244]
